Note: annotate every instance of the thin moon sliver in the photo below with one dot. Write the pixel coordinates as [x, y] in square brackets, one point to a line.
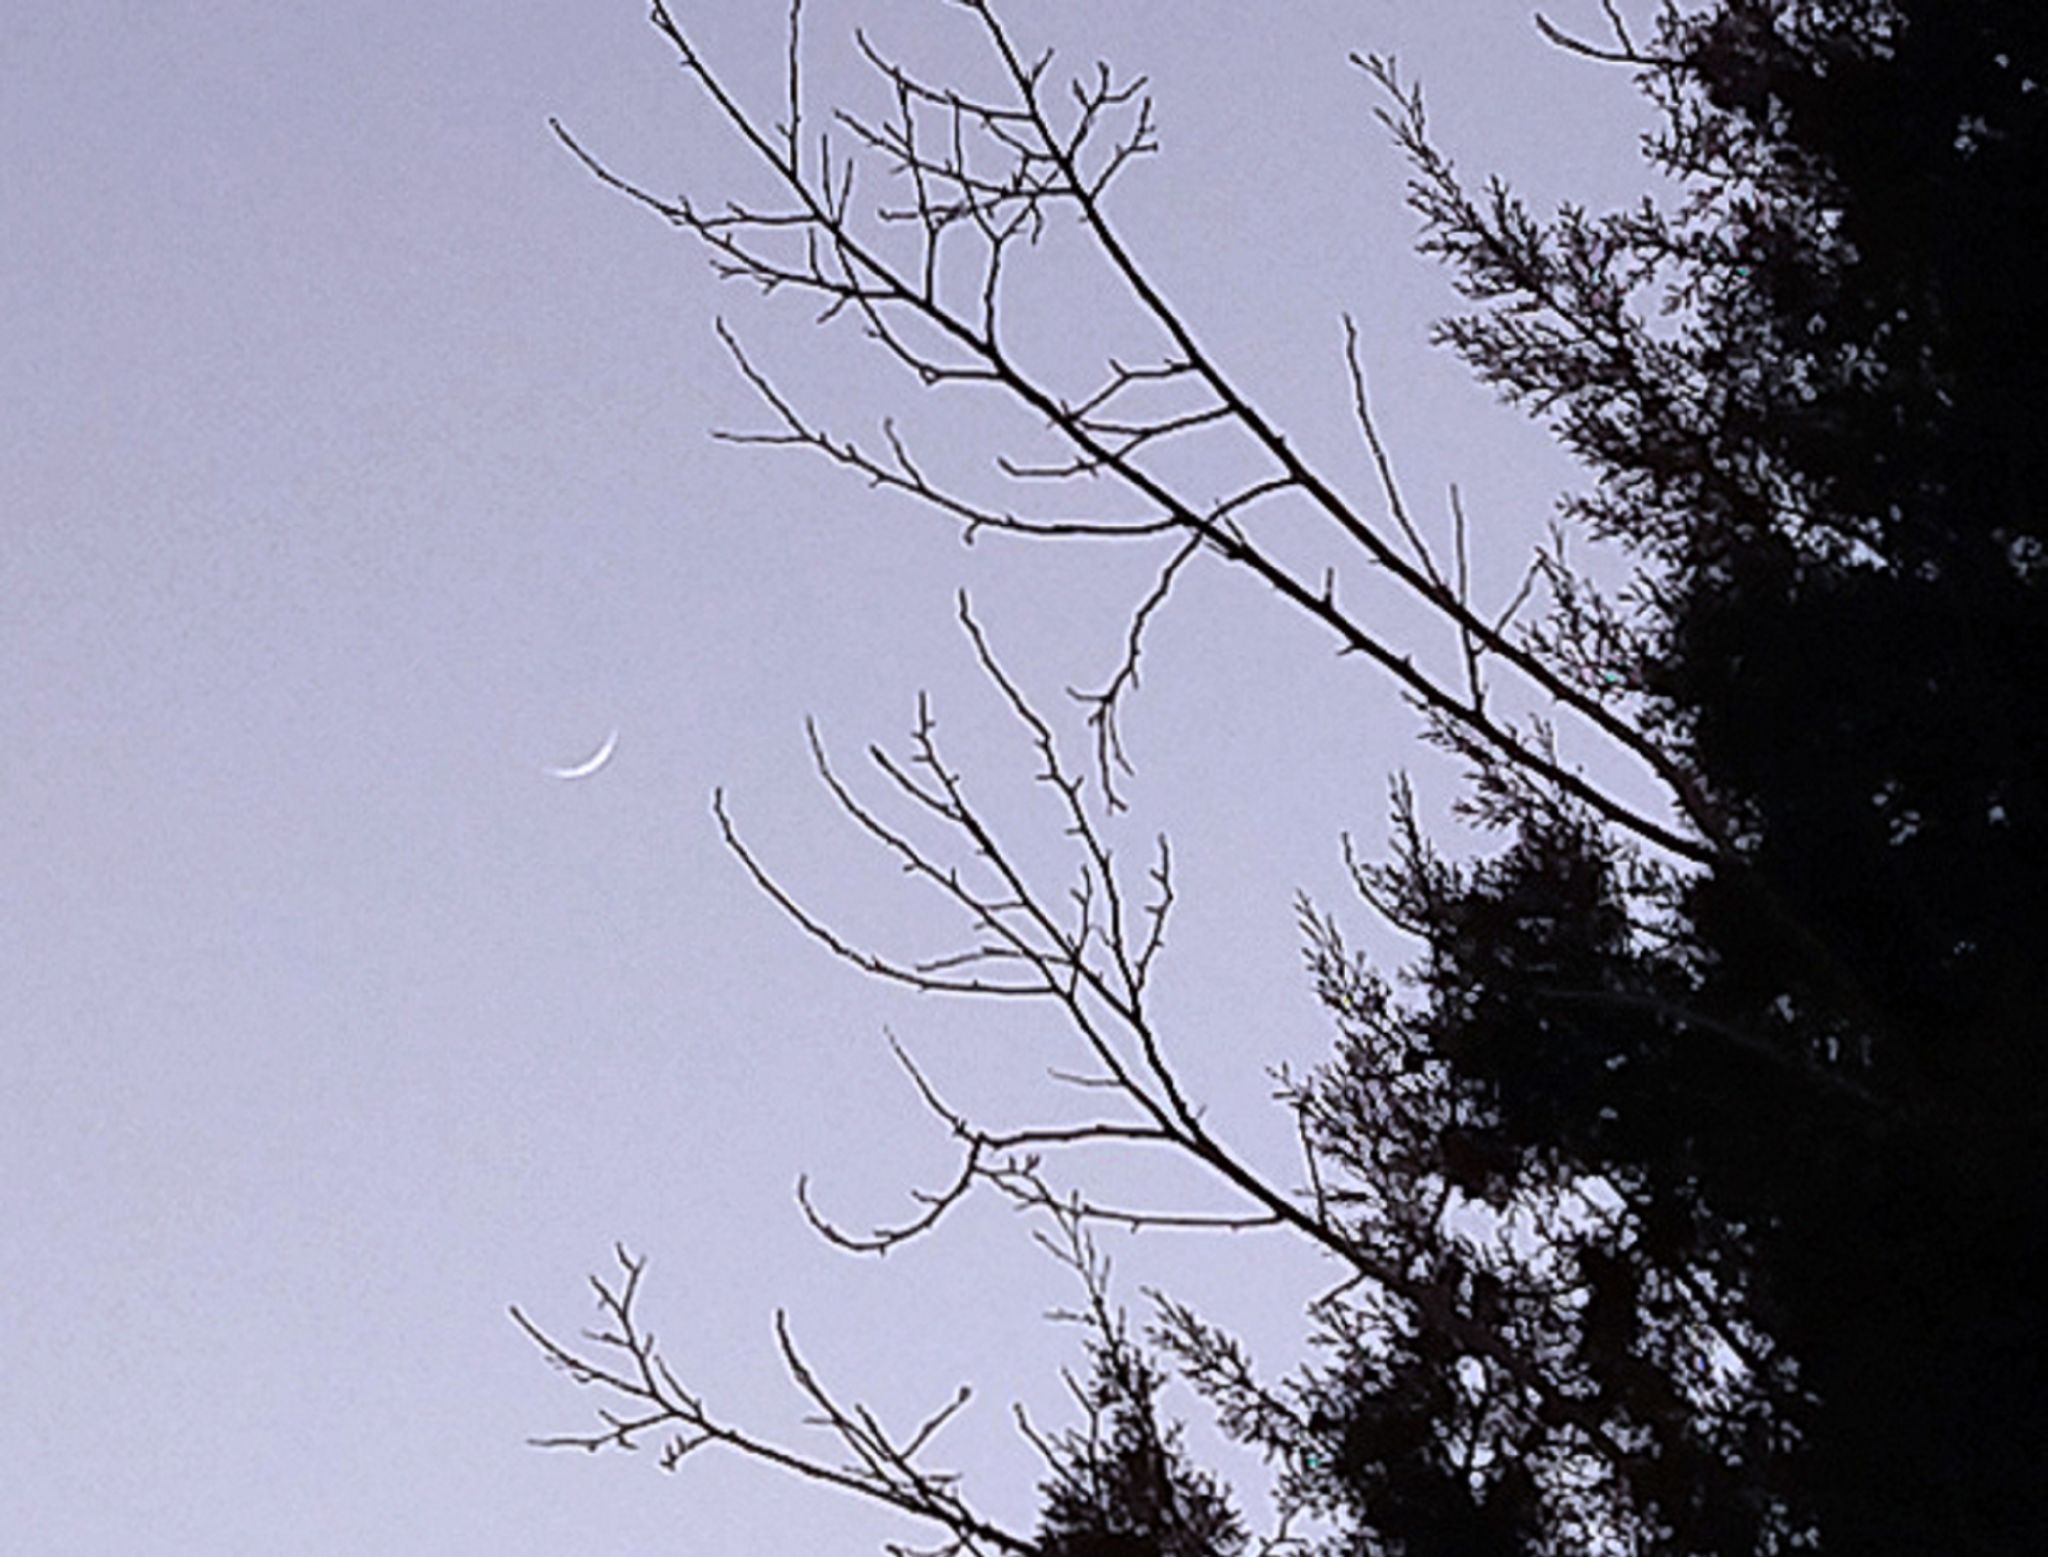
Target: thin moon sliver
[591, 764]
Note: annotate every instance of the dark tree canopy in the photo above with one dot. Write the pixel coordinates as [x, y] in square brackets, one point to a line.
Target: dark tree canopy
[1827, 1053]
[1690, 1195]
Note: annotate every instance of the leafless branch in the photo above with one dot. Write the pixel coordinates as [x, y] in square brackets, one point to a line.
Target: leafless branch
[1045, 167]
[981, 1144]
[1388, 486]
[1627, 54]
[1109, 746]
[1084, 982]
[886, 1471]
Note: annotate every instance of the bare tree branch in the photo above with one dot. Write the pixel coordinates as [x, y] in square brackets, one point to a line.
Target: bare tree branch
[1082, 984]
[886, 1472]
[1046, 168]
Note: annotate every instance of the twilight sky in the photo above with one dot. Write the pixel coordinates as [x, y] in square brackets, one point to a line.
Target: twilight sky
[356, 467]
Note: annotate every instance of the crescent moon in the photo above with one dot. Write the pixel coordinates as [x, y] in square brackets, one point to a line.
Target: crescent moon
[591, 764]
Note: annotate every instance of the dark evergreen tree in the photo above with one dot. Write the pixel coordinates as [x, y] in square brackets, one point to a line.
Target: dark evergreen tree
[1813, 1064]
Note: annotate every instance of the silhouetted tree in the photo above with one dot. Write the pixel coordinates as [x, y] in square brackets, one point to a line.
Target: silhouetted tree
[1689, 1201]
[1833, 473]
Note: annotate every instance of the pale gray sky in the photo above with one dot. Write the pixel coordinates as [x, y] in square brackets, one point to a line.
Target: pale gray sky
[356, 469]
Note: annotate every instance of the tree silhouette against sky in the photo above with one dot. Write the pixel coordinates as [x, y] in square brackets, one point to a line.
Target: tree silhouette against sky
[1686, 1190]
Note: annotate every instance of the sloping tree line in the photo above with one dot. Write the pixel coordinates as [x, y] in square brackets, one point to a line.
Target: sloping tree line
[1689, 1202]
